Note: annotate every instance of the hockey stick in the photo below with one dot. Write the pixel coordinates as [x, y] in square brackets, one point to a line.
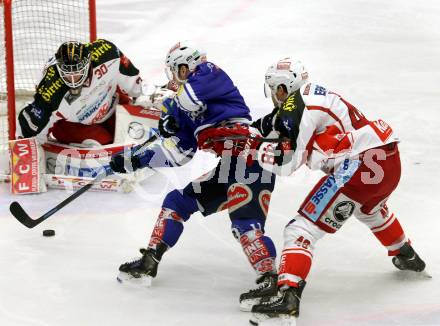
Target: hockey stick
[243, 137]
[19, 213]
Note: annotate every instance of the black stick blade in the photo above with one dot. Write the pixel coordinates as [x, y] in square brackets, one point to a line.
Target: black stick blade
[22, 216]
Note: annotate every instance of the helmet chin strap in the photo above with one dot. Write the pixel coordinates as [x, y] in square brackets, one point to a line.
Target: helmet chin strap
[276, 101]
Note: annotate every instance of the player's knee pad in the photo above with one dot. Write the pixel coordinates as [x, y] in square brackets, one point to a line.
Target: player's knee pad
[300, 237]
[182, 202]
[259, 248]
[302, 233]
[168, 228]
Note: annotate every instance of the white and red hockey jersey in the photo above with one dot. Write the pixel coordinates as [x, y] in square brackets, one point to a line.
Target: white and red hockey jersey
[110, 70]
[322, 126]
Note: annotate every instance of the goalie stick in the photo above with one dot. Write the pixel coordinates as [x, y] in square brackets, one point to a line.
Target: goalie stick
[20, 214]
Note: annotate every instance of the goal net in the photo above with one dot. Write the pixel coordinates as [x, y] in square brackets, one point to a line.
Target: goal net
[30, 33]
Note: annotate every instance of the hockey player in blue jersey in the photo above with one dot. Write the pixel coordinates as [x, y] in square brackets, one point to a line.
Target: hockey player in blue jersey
[209, 113]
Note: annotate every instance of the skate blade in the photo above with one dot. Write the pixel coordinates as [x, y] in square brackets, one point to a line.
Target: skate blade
[411, 275]
[425, 274]
[246, 305]
[265, 320]
[144, 281]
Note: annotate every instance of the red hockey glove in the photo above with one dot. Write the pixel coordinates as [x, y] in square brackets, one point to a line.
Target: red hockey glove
[237, 138]
[333, 142]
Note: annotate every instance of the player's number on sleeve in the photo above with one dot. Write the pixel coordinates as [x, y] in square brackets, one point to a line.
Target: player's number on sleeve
[358, 120]
[101, 71]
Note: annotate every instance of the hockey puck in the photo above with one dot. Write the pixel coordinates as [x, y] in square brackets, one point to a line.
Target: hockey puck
[48, 233]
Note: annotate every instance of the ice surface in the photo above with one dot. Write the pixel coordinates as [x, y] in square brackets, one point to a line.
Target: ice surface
[381, 55]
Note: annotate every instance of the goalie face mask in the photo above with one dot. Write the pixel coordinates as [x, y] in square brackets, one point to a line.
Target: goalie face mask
[73, 62]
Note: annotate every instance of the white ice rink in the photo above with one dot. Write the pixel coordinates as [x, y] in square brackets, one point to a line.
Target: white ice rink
[383, 56]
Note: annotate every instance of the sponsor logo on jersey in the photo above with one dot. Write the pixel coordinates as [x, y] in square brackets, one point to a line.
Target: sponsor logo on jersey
[98, 52]
[254, 246]
[102, 112]
[238, 196]
[319, 90]
[47, 92]
[264, 200]
[289, 105]
[331, 223]
[318, 202]
[343, 210]
[50, 71]
[88, 111]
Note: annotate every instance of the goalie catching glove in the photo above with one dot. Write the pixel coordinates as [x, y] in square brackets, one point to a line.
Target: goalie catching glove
[238, 139]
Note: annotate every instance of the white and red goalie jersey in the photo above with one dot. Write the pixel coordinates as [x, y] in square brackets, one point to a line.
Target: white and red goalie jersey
[320, 126]
[111, 72]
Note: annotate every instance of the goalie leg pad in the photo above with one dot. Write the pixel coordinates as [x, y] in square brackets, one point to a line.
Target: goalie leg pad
[27, 166]
[259, 249]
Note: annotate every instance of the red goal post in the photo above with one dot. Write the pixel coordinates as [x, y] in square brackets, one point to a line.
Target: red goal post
[30, 33]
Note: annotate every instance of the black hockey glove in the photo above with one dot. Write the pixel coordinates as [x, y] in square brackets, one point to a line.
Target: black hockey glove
[168, 126]
[122, 164]
[265, 124]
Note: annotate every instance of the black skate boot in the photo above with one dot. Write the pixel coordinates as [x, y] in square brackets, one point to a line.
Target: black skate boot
[408, 259]
[284, 306]
[266, 287]
[144, 268]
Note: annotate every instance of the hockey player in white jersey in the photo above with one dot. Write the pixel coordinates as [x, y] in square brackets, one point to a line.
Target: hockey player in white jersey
[76, 99]
[361, 161]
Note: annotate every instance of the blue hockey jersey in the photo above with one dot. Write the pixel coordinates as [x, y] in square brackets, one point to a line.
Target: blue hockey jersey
[208, 98]
[176, 150]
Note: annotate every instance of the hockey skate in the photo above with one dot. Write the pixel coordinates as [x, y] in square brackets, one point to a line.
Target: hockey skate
[408, 260]
[143, 270]
[266, 287]
[282, 309]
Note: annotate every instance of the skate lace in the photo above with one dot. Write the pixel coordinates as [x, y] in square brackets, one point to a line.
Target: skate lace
[260, 286]
[137, 260]
[273, 300]
[133, 262]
